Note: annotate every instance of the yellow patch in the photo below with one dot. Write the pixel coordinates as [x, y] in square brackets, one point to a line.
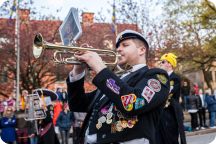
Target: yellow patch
[172, 83]
[162, 78]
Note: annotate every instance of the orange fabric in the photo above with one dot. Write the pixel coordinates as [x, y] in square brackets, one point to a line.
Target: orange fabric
[22, 103]
[57, 110]
[43, 101]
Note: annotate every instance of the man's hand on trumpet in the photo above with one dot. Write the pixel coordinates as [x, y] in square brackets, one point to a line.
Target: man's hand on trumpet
[92, 59]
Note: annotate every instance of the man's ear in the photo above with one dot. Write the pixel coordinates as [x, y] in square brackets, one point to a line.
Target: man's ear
[142, 50]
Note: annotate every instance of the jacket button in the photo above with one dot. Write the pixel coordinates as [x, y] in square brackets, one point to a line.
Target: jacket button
[104, 135]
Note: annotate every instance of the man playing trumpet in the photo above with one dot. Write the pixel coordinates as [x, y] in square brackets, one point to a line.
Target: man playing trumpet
[121, 110]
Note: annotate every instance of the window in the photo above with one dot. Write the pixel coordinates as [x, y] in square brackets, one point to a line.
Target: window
[3, 41]
[3, 75]
[209, 74]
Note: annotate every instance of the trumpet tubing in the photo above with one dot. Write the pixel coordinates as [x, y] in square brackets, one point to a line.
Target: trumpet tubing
[65, 54]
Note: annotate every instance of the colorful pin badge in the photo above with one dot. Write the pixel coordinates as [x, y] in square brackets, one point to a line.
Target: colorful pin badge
[128, 100]
[140, 102]
[112, 85]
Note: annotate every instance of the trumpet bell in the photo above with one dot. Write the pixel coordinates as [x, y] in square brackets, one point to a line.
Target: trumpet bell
[38, 46]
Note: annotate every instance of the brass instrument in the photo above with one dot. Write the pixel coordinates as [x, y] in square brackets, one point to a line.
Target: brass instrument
[40, 45]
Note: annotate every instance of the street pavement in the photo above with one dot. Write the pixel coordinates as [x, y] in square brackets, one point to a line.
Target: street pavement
[202, 139]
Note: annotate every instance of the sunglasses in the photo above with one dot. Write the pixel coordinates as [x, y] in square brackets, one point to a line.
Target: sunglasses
[163, 62]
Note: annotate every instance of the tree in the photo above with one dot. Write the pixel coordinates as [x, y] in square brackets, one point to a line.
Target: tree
[33, 73]
[192, 35]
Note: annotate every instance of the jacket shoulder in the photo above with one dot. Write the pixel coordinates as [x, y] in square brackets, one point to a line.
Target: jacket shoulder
[158, 73]
[176, 78]
[155, 71]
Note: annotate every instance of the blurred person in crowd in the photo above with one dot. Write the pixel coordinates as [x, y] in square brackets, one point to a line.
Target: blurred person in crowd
[22, 100]
[211, 106]
[11, 101]
[64, 96]
[215, 93]
[58, 106]
[22, 127]
[47, 133]
[202, 110]
[32, 131]
[193, 106]
[8, 124]
[64, 122]
[196, 88]
[171, 121]
[2, 106]
[46, 129]
[185, 92]
[59, 93]
[79, 118]
[126, 109]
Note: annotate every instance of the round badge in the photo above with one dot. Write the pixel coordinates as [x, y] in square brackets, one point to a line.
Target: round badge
[109, 115]
[98, 125]
[109, 121]
[154, 85]
[130, 124]
[124, 123]
[118, 126]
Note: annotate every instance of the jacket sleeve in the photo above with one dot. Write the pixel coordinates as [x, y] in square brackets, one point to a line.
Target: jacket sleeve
[210, 100]
[77, 98]
[150, 92]
[58, 121]
[175, 87]
[72, 118]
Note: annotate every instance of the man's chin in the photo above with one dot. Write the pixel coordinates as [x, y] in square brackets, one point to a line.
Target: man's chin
[121, 63]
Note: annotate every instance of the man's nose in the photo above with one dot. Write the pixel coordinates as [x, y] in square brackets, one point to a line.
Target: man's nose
[119, 48]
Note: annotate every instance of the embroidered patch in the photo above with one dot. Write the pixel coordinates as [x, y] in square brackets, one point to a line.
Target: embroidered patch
[140, 102]
[128, 100]
[154, 84]
[162, 78]
[148, 93]
[111, 85]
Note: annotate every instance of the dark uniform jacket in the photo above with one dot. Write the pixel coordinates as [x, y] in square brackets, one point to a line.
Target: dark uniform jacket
[171, 122]
[137, 101]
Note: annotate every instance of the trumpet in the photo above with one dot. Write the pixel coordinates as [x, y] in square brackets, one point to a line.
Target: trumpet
[65, 54]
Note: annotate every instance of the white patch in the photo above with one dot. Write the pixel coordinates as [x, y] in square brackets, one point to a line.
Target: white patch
[154, 85]
[148, 93]
[171, 88]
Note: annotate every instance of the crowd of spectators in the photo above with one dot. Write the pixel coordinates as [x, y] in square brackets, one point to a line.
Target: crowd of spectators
[60, 122]
[198, 103]
[201, 106]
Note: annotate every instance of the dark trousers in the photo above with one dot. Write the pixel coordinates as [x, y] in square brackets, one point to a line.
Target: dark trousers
[76, 132]
[194, 120]
[22, 136]
[202, 117]
[167, 131]
[64, 136]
